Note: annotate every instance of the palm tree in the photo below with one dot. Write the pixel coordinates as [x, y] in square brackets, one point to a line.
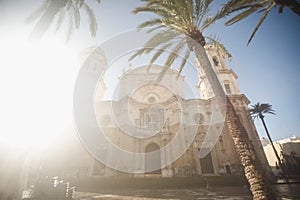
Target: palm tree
[178, 27]
[258, 110]
[248, 7]
[51, 9]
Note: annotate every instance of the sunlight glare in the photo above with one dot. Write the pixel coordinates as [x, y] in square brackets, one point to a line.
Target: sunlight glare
[37, 80]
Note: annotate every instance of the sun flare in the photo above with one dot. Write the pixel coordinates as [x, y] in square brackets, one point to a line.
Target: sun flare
[36, 81]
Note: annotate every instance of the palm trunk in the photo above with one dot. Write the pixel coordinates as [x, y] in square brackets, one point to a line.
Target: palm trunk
[45, 21]
[249, 159]
[269, 137]
[281, 165]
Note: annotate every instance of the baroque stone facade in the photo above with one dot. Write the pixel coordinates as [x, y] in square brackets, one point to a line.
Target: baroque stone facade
[149, 116]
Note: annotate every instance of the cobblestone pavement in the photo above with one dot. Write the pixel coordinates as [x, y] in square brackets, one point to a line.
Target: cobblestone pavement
[228, 193]
[285, 192]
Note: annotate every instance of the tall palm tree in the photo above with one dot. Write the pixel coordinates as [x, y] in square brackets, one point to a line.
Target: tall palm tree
[178, 27]
[50, 9]
[244, 8]
[257, 111]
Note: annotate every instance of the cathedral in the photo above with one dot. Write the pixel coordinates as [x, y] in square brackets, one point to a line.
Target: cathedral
[158, 131]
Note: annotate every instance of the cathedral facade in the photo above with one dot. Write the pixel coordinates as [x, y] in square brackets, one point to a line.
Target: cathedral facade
[175, 136]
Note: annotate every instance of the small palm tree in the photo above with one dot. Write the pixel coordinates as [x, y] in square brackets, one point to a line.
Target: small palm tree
[51, 9]
[257, 111]
[178, 28]
[248, 7]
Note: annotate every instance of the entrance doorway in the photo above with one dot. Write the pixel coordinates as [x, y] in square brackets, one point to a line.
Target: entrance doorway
[152, 159]
[206, 164]
[228, 170]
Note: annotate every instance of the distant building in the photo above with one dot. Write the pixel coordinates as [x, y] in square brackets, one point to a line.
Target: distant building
[264, 141]
[286, 146]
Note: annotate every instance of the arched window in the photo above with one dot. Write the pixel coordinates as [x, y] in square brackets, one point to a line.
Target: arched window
[227, 88]
[215, 60]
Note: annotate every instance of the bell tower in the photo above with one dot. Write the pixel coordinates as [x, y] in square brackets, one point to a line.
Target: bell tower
[228, 79]
[226, 76]
[94, 62]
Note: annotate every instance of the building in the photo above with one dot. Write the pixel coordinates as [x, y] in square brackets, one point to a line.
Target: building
[175, 136]
[264, 141]
[285, 146]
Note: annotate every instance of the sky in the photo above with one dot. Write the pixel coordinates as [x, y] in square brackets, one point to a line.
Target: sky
[37, 77]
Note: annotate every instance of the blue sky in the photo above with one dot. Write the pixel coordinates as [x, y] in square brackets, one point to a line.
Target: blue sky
[268, 68]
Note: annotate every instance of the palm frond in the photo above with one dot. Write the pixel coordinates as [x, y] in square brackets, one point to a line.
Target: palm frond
[138, 53]
[184, 60]
[92, 19]
[159, 3]
[178, 20]
[156, 42]
[152, 9]
[246, 8]
[175, 52]
[76, 15]
[158, 54]
[60, 19]
[203, 11]
[197, 9]
[270, 112]
[185, 11]
[81, 2]
[207, 22]
[162, 73]
[155, 28]
[52, 9]
[222, 13]
[38, 12]
[242, 15]
[71, 27]
[261, 20]
[69, 4]
[259, 109]
[150, 23]
[219, 46]
[169, 12]
[232, 6]
[161, 38]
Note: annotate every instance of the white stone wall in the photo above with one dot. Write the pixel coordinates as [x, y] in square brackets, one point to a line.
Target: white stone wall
[190, 117]
[136, 78]
[137, 91]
